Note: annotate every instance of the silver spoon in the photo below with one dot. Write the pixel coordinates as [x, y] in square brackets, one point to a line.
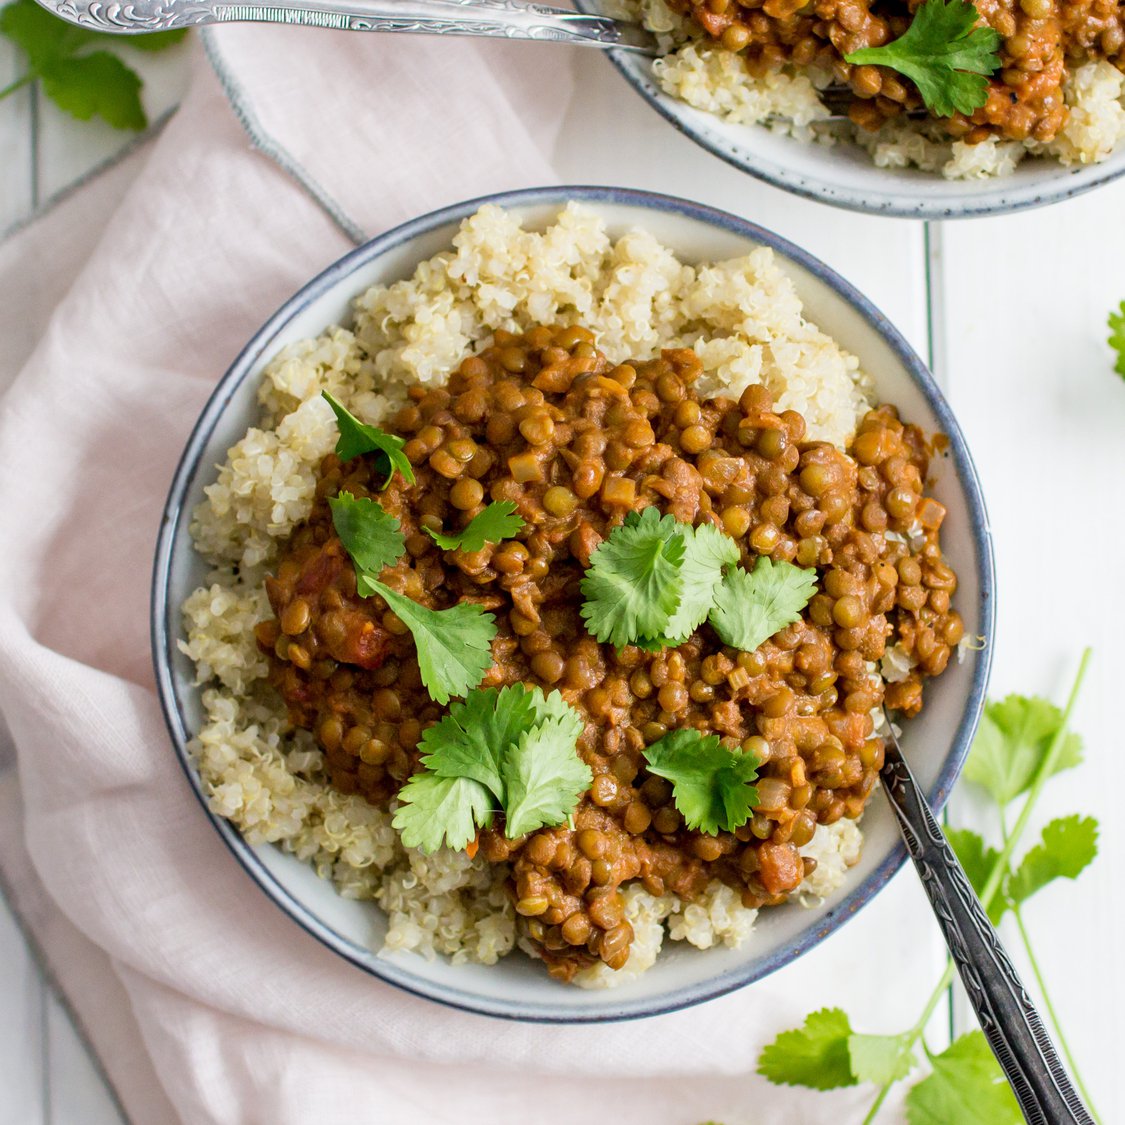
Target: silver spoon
[497, 19]
[1007, 1016]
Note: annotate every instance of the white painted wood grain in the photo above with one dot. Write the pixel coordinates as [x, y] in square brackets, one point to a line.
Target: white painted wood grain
[76, 1091]
[22, 1030]
[1025, 301]
[16, 164]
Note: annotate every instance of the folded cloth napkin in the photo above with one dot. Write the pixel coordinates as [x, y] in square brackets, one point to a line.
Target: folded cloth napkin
[290, 146]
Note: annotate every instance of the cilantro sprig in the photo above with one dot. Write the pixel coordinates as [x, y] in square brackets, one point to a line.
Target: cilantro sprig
[710, 784]
[75, 74]
[513, 749]
[357, 438]
[1023, 742]
[1117, 338]
[945, 54]
[454, 645]
[494, 524]
[654, 580]
[750, 606]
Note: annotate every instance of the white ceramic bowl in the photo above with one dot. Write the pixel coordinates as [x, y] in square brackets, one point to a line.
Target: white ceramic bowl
[844, 174]
[936, 743]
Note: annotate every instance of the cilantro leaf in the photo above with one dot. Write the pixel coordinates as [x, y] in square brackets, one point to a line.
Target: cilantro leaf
[634, 582]
[441, 810]
[81, 84]
[881, 1059]
[1117, 338]
[42, 37]
[357, 437]
[497, 522]
[153, 41]
[472, 739]
[944, 54]
[710, 784]
[454, 645]
[814, 1055]
[750, 606]
[978, 862]
[544, 775]
[707, 551]
[966, 1086]
[1014, 737]
[373, 538]
[1067, 846]
[99, 84]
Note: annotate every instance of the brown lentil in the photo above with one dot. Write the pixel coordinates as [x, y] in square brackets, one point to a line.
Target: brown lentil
[576, 443]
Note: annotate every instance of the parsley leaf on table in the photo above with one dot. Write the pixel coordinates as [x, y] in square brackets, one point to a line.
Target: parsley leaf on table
[1067, 846]
[707, 550]
[1117, 338]
[710, 784]
[750, 606]
[814, 1055]
[357, 437]
[1014, 737]
[881, 1059]
[544, 776]
[372, 537]
[497, 522]
[634, 582]
[945, 54]
[966, 1087]
[81, 82]
[437, 810]
[454, 645]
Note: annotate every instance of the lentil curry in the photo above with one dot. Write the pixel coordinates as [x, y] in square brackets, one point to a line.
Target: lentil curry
[1041, 41]
[544, 421]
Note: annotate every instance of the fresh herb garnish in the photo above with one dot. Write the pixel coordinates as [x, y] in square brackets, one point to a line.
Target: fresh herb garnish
[1024, 742]
[81, 82]
[497, 522]
[750, 606]
[635, 581]
[357, 438]
[707, 551]
[710, 784]
[945, 54]
[372, 537]
[454, 645]
[1117, 338]
[512, 749]
[437, 810]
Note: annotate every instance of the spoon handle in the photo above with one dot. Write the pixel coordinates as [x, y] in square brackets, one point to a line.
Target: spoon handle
[494, 19]
[1007, 1016]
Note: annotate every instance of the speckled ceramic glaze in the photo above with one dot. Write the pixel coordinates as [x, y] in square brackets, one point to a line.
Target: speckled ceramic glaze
[844, 175]
[936, 742]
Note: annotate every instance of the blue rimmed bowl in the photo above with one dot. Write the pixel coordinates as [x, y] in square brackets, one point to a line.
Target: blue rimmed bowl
[936, 742]
[844, 175]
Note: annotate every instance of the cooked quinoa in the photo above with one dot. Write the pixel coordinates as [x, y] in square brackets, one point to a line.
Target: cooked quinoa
[743, 318]
[695, 69]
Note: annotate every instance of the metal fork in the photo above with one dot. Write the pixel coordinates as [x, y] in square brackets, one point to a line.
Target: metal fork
[1007, 1016]
[499, 19]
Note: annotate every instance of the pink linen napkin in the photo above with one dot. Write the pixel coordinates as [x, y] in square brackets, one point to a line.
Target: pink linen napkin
[242, 1017]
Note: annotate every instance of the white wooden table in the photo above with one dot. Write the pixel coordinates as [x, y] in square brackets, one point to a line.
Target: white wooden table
[1011, 311]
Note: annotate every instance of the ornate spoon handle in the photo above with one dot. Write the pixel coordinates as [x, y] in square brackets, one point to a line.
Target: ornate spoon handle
[1005, 1011]
[497, 19]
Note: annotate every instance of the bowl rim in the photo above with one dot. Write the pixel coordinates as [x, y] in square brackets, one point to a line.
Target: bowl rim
[164, 615]
[1001, 197]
